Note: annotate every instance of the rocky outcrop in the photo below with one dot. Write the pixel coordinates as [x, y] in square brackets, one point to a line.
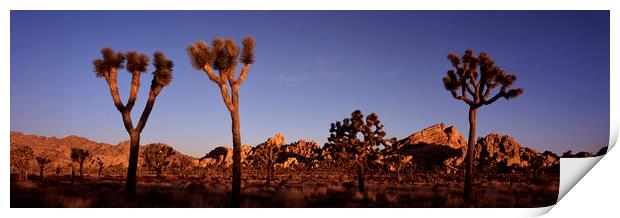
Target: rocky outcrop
[496, 148]
[223, 156]
[435, 146]
[438, 147]
[304, 152]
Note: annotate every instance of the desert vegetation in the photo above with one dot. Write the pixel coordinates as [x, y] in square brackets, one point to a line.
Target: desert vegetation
[222, 56]
[107, 67]
[359, 166]
[477, 77]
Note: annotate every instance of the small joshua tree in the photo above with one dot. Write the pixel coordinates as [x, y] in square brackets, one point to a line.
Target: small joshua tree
[222, 56]
[343, 141]
[477, 77]
[78, 156]
[41, 163]
[267, 155]
[156, 157]
[107, 67]
[20, 160]
[100, 166]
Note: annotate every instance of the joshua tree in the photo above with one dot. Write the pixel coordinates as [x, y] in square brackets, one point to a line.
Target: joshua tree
[345, 145]
[79, 155]
[477, 77]
[100, 166]
[266, 155]
[42, 162]
[20, 160]
[222, 56]
[156, 157]
[136, 64]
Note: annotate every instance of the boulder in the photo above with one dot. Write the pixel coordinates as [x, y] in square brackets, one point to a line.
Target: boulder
[435, 146]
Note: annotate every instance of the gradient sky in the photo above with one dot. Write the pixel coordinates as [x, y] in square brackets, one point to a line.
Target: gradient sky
[313, 68]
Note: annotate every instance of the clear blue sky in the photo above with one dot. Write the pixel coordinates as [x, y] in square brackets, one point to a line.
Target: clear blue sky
[313, 68]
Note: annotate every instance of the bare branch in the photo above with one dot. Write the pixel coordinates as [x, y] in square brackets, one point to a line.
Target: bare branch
[212, 76]
[501, 94]
[113, 84]
[244, 73]
[155, 89]
[133, 93]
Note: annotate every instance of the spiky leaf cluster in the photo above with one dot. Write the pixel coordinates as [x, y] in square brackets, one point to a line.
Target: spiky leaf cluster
[134, 62]
[137, 62]
[79, 155]
[473, 79]
[109, 61]
[162, 76]
[344, 143]
[222, 55]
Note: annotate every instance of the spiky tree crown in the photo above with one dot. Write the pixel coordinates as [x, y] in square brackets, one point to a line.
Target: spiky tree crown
[162, 75]
[137, 62]
[343, 141]
[222, 55]
[79, 155]
[156, 155]
[110, 60]
[478, 76]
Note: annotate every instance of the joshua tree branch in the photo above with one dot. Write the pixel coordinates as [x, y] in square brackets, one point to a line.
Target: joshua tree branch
[501, 94]
[244, 73]
[113, 84]
[133, 93]
[462, 98]
[226, 96]
[155, 89]
[469, 89]
[230, 75]
[487, 93]
[212, 76]
[235, 96]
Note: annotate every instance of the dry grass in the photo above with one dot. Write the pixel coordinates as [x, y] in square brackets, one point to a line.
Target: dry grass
[322, 189]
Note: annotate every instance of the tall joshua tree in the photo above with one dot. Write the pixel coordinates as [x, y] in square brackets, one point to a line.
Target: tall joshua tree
[222, 56]
[472, 80]
[107, 67]
[345, 145]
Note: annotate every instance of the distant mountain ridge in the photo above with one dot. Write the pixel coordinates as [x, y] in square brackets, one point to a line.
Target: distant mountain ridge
[59, 149]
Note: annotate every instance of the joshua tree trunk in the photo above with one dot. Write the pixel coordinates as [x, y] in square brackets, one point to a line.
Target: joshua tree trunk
[236, 188]
[398, 179]
[81, 170]
[360, 177]
[41, 172]
[470, 153]
[269, 174]
[72, 174]
[130, 185]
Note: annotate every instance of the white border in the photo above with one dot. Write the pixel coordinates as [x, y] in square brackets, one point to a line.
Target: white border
[295, 5]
